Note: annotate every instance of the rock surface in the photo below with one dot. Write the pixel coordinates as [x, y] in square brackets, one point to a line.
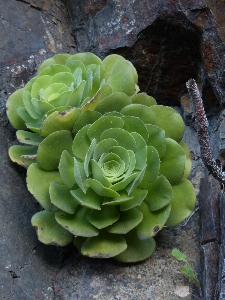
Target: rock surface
[168, 42]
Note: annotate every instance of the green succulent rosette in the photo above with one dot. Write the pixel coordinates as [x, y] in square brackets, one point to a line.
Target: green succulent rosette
[65, 85]
[115, 180]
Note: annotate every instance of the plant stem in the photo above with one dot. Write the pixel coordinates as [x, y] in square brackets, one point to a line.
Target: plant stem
[202, 131]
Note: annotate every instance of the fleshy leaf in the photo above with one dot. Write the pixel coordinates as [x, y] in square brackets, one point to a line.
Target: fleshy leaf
[123, 69]
[13, 103]
[143, 98]
[57, 59]
[173, 162]
[152, 222]
[59, 120]
[127, 221]
[89, 199]
[81, 143]
[37, 178]
[30, 138]
[102, 124]
[137, 250]
[50, 150]
[105, 245]
[170, 121]
[85, 118]
[23, 155]
[103, 147]
[100, 189]
[160, 193]
[137, 197]
[61, 197]
[134, 124]
[101, 219]
[66, 169]
[123, 138]
[49, 231]
[156, 139]
[77, 224]
[188, 163]
[182, 203]
[141, 111]
[92, 104]
[114, 102]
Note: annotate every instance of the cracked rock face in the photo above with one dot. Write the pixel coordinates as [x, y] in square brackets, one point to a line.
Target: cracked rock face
[168, 43]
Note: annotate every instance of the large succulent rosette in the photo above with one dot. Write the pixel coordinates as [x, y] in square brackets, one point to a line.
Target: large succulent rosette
[64, 86]
[115, 180]
[107, 165]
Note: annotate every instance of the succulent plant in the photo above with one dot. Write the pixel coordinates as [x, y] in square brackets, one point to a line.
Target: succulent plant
[64, 86]
[110, 170]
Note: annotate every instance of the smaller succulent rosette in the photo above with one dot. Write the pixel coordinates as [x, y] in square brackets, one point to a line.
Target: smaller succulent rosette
[115, 181]
[64, 86]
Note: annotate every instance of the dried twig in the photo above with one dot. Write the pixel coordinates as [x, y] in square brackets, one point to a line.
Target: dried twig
[202, 130]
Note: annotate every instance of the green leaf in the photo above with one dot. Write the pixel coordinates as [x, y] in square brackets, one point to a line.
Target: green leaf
[61, 99]
[29, 106]
[88, 157]
[102, 93]
[73, 65]
[63, 77]
[141, 152]
[77, 224]
[160, 193]
[182, 203]
[114, 102]
[81, 143]
[105, 245]
[23, 155]
[89, 199]
[123, 138]
[13, 103]
[134, 124]
[141, 111]
[188, 163]
[127, 221]
[156, 139]
[85, 118]
[59, 120]
[53, 69]
[137, 250]
[98, 174]
[170, 121]
[61, 197]
[137, 196]
[40, 83]
[179, 255]
[152, 222]
[66, 169]
[100, 189]
[103, 147]
[144, 99]
[187, 271]
[101, 219]
[153, 165]
[122, 77]
[49, 231]
[102, 124]
[109, 63]
[30, 138]
[76, 96]
[37, 178]
[56, 59]
[122, 198]
[173, 162]
[42, 106]
[79, 175]
[51, 148]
